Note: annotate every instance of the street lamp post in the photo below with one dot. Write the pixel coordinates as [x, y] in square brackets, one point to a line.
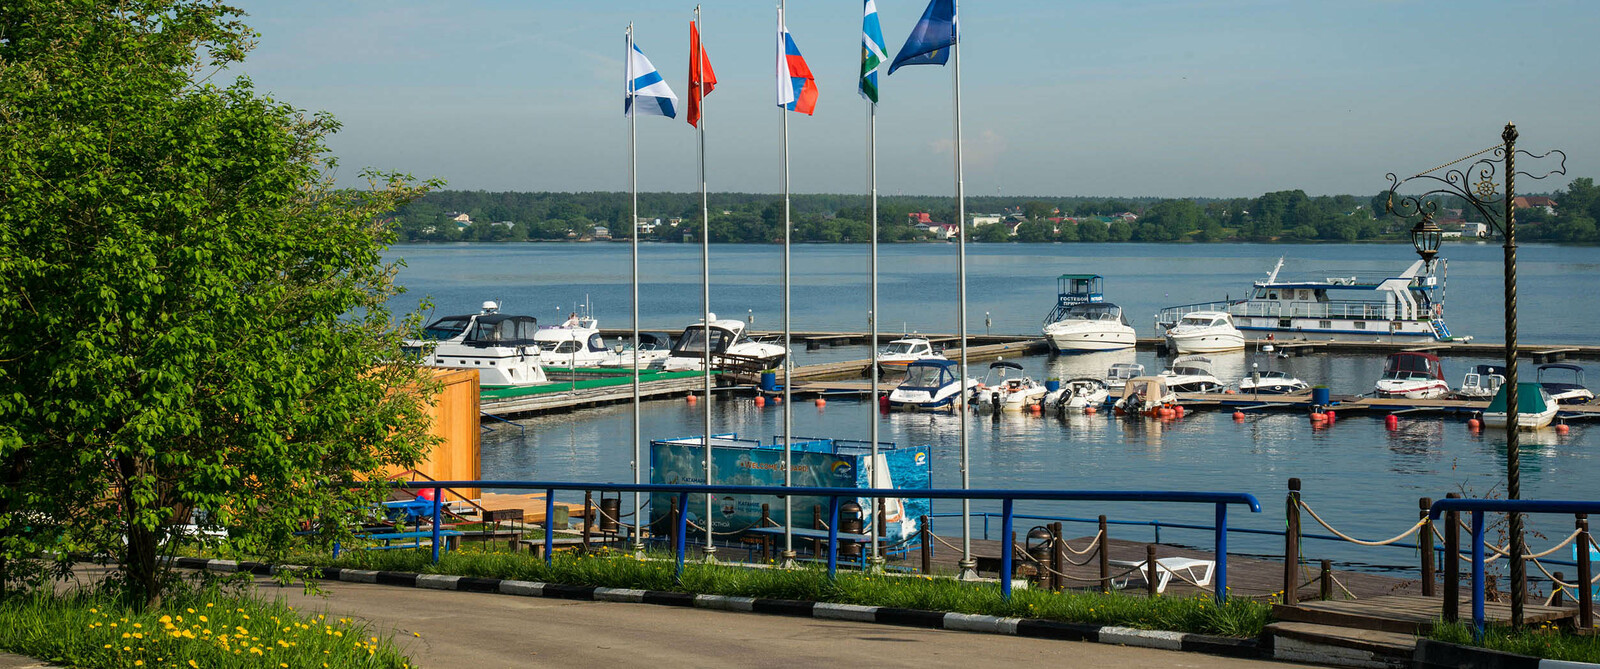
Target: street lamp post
[1475, 184]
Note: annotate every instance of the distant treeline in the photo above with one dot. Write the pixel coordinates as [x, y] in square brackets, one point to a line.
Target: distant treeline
[758, 217]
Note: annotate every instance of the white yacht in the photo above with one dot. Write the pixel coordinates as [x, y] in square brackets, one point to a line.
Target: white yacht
[1565, 392]
[500, 346]
[1405, 308]
[1192, 374]
[1272, 382]
[1083, 321]
[1077, 395]
[575, 343]
[654, 347]
[1003, 392]
[1482, 382]
[1413, 376]
[900, 353]
[1118, 375]
[931, 385]
[1535, 408]
[730, 348]
[1204, 332]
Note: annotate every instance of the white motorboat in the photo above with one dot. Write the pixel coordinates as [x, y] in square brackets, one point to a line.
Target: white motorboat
[1077, 395]
[1272, 382]
[1535, 407]
[730, 348]
[1192, 374]
[1565, 392]
[1083, 321]
[1144, 396]
[654, 348]
[1001, 391]
[575, 343]
[900, 353]
[500, 346]
[1413, 376]
[1117, 376]
[1482, 382]
[930, 385]
[1204, 332]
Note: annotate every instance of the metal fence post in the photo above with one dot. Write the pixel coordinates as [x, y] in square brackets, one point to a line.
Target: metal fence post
[1477, 574]
[833, 537]
[437, 502]
[549, 525]
[1222, 552]
[1105, 557]
[1005, 555]
[1452, 563]
[1425, 547]
[681, 531]
[1291, 544]
[1585, 572]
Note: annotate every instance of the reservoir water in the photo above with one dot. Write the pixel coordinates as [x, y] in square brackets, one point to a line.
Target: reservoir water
[1358, 475]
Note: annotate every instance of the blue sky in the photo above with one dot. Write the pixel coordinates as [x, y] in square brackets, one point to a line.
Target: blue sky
[1096, 98]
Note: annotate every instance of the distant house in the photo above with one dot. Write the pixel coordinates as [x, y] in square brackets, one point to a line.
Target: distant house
[980, 221]
[1011, 226]
[944, 230]
[1536, 202]
[648, 225]
[919, 218]
[1128, 216]
[1479, 230]
[460, 219]
[503, 224]
[600, 232]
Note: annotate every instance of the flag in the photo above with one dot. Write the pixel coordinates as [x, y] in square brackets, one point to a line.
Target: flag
[873, 51]
[698, 63]
[930, 41]
[644, 83]
[797, 88]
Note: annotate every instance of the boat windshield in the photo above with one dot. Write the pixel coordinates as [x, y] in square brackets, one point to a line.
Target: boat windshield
[1200, 321]
[446, 328]
[899, 347]
[1273, 374]
[1094, 312]
[924, 376]
[496, 329]
[1190, 370]
[1412, 367]
[693, 341]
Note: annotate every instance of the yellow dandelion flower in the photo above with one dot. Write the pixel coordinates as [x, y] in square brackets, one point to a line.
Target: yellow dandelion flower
[192, 664]
[138, 663]
[165, 619]
[203, 619]
[188, 610]
[209, 605]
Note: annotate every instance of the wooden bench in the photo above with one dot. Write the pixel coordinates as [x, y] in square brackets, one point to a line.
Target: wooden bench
[492, 530]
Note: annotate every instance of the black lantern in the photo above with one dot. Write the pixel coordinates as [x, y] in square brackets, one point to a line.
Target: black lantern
[1426, 236]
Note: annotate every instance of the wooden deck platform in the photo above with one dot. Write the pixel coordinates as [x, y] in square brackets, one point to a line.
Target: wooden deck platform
[532, 506]
[1406, 614]
[567, 400]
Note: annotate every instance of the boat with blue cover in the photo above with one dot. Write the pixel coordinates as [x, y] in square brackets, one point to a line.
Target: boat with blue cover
[931, 385]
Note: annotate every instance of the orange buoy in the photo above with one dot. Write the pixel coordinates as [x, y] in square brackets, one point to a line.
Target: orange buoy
[690, 398]
[1178, 410]
[761, 401]
[1392, 422]
[1035, 409]
[1228, 391]
[1328, 415]
[1238, 415]
[821, 402]
[1474, 424]
[777, 399]
[1317, 417]
[1561, 428]
[1090, 410]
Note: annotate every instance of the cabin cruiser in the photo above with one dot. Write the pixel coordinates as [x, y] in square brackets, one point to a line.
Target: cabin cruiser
[900, 353]
[1535, 407]
[1482, 382]
[500, 346]
[1083, 321]
[1565, 392]
[730, 348]
[1005, 392]
[1272, 382]
[1413, 376]
[1204, 332]
[1118, 375]
[1405, 308]
[1144, 396]
[575, 343]
[654, 347]
[930, 385]
[1077, 395]
[1192, 374]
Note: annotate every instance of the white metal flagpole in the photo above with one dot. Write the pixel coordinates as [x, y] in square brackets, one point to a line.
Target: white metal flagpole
[705, 277]
[633, 187]
[788, 361]
[968, 566]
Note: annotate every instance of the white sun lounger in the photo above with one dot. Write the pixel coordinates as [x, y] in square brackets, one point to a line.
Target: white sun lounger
[1194, 570]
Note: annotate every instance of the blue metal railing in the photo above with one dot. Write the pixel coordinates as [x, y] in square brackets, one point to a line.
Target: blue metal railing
[1220, 500]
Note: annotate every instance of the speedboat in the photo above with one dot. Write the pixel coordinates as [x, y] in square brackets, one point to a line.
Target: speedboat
[1482, 382]
[1118, 375]
[1083, 321]
[654, 347]
[1005, 392]
[1272, 382]
[500, 346]
[575, 343]
[1413, 376]
[1077, 395]
[1565, 392]
[900, 353]
[1144, 396]
[1205, 332]
[1192, 374]
[930, 385]
[730, 348]
[1535, 407]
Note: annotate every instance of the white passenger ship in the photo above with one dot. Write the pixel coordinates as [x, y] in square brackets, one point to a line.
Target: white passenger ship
[1409, 307]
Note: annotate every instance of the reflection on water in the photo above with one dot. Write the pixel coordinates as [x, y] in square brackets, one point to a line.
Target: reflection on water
[1088, 365]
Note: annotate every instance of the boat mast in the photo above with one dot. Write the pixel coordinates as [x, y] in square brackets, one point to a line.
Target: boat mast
[705, 279]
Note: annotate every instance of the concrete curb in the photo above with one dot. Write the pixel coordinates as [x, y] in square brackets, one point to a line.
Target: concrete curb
[1436, 654]
[963, 622]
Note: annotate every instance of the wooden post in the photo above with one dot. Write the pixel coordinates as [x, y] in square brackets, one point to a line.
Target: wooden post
[816, 524]
[1058, 556]
[1105, 557]
[588, 512]
[1585, 572]
[926, 532]
[1151, 570]
[1327, 580]
[1291, 544]
[1556, 594]
[672, 527]
[1452, 563]
[1425, 547]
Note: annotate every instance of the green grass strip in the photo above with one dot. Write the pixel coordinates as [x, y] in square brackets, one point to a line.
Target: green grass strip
[563, 386]
[1543, 640]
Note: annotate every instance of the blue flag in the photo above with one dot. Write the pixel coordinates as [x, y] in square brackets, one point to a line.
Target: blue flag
[930, 41]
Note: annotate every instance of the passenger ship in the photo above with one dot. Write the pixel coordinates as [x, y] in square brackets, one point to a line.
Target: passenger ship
[1409, 307]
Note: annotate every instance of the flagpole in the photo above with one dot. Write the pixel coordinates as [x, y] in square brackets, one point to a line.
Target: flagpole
[705, 274]
[872, 411]
[788, 361]
[633, 187]
[968, 566]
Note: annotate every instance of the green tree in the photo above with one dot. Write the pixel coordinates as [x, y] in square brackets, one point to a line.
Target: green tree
[992, 233]
[1093, 231]
[193, 317]
[1034, 232]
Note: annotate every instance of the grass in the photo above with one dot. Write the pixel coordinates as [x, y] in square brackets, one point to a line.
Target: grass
[1545, 641]
[194, 629]
[1236, 618]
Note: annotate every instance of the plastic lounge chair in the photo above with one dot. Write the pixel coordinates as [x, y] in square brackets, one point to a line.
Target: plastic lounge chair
[1194, 570]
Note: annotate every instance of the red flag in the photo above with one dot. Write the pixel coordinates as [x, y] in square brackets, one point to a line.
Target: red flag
[700, 74]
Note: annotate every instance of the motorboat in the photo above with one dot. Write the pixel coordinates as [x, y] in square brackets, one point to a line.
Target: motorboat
[574, 343]
[731, 348]
[1077, 395]
[930, 385]
[1144, 396]
[1412, 375]
[1272, 382]
[1083, 321]
[1535, 407]
[1204, 332]
[1003, 392]
[1192, 374]
[500, 346]
[1482, 382]
[1404, 308]
[654, 347]
[900, 353]
[1118, 375]
[1564, 392]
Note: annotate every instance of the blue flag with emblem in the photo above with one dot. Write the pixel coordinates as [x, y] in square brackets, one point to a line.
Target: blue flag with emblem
[930, 41]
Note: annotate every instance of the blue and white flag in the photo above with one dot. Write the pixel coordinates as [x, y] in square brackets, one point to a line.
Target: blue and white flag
[873, 51]
[930, 41]
[642, 81]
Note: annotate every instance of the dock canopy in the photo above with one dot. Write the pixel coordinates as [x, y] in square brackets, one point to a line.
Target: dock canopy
[1530, 400]
[502, 330]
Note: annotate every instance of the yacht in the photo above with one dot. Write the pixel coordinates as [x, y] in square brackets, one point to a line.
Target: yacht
[1118, 375]
[1005, 392]
[900, 353]
[654, 347]
[1083, 321]
[1192, 374]
[1565, 392]
[1482, 382]
[1405, 308]
[730, 348]
[1204, 332]
[1077, 395]
[500, 346]
[1412, 375]
[930, 385]
[575, 343]
[1535, 407]
[1272, 382]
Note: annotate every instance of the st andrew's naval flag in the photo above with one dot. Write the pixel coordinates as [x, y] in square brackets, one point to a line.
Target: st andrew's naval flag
[645, 85]
[797, 88]
[873, 51]
[930, 41]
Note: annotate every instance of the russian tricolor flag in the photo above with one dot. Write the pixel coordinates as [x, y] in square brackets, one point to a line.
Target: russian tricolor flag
[797, 88]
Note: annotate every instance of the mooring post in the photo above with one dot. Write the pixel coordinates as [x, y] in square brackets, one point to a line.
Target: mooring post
[1425, 547]
[1325, 589]
[1452, 563]
[1058, 556]
[1010, 536]
[1585, 573]
[1291, 544]
[1151, 573]
[588, 509]
[549, 525]
[1104, 556]
[1556, 594]
[925, 539]
[437, 503]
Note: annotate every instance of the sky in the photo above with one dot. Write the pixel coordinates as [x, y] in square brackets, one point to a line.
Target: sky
[1171, 98]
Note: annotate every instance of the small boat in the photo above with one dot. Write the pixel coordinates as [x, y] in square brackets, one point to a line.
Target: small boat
[1412, 375]
[1118, 375]
[1144, 396]
[1535, 407]
[1205, 332]
[575, 343]
[654, 347]
[1005, 392]
[1192, 374]
[1083, 321]
[930, 385]
[1565, 392]
[1077, 395]
[900, 353]
[1482, 382]
[1272, 382]
[500, 346]
[730, 348]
